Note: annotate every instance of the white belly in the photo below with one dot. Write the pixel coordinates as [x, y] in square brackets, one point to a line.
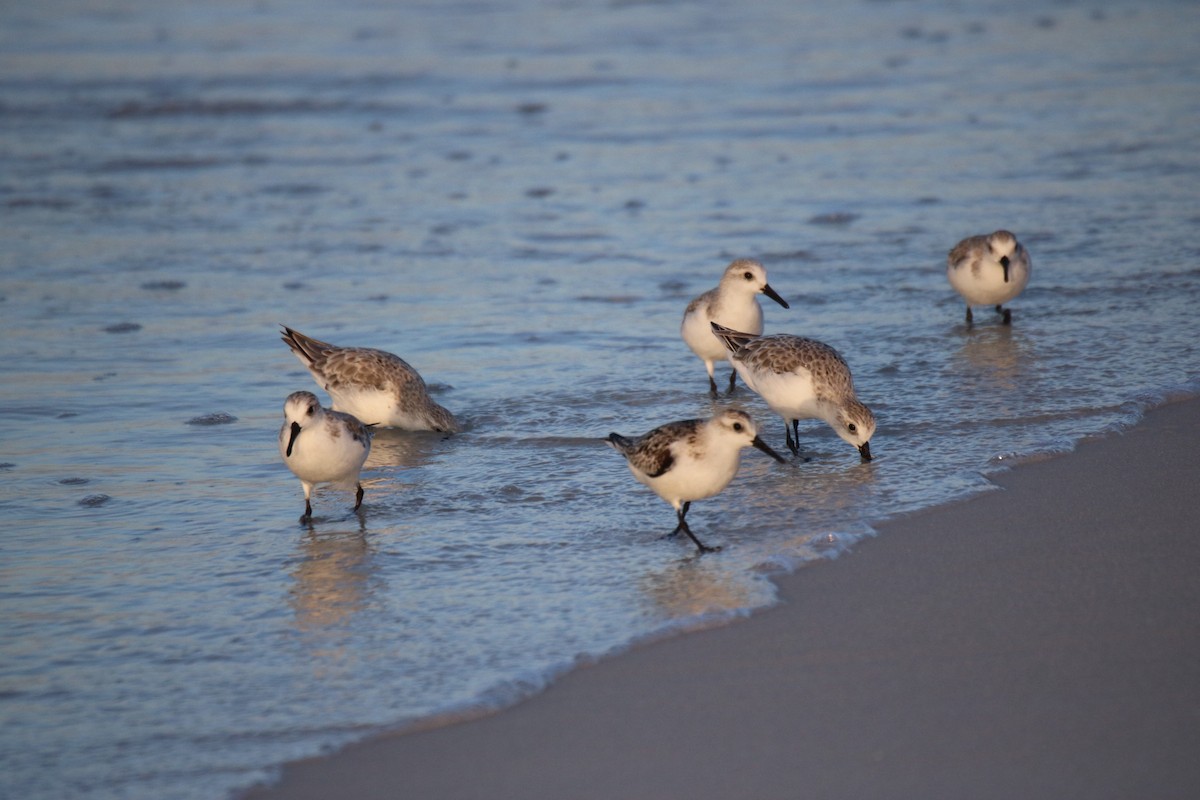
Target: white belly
[697, 330]
[988, 288]
[319, 459]
[789, 394]
[693, 480]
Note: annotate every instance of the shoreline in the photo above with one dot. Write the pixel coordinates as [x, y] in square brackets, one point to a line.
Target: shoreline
[1038, 641]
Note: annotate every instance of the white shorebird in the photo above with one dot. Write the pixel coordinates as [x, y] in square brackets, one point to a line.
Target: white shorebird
[733, 303]
[989, 271]
[690, 460]
[376, 386]
[801, 378]
[322, 446]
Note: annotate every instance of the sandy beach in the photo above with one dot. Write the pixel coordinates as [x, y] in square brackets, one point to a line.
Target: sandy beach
[1042, 641]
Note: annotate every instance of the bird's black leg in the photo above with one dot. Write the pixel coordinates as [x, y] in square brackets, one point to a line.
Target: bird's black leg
[683, 526]
[358, 497]
[1006, 313]
[712, 387]
[307, 511]
[793, 444]
[970, 318]
[679, 516]
[732, 381]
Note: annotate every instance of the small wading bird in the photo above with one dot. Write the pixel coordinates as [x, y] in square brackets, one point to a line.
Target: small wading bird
[322, 446]
[690, 460]
[801, 378]
[989, 271]
[734, 303]
[376, 386]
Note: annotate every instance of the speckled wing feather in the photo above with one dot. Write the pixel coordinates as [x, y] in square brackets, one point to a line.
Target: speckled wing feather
[364, 367]
[785, 353]
[700, 302]
[967, 251]
[651, 453]
[358, 431]
[360, 367]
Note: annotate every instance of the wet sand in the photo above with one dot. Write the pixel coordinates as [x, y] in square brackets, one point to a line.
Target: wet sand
[1042, 641]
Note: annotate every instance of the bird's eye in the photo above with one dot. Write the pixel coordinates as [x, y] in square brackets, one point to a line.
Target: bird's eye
[737, 426]
[311, 410]
[852, 428]
[749, 276]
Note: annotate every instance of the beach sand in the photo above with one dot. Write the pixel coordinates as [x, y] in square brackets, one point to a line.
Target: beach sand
[1042, 641]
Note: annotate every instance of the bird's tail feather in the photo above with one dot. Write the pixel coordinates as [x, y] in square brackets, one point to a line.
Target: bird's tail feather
[308, 348]
[618, 442]
[733, 340]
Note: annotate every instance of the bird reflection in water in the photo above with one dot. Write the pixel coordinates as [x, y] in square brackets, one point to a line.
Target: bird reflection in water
[333, 579]
[994, 357]
[691, 588]
[406, 449]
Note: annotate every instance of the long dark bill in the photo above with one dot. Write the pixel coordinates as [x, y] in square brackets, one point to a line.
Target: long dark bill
[769, 292]
[1004, 263]
[761, 445]
[864, 450]
[292, 438]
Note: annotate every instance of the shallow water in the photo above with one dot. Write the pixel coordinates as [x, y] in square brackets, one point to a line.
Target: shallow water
[520, 199]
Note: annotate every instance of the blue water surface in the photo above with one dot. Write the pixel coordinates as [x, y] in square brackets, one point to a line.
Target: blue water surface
[520, 198]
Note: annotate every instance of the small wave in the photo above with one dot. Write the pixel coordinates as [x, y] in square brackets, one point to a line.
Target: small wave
[835, 218]
[219, 418]
[48, 203]
[122, 327]
[135, 164]
[135, 109]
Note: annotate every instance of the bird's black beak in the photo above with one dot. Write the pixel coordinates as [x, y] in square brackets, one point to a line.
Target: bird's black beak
[864, 450]
[771, 293]
[292, 438]
[1004, 263]
[761, 445]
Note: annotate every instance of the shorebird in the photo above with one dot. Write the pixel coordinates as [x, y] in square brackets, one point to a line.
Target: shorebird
[801, 378]
[322, 446]
[690, 460]
[733, 302]
[376, 386]
[989, 271]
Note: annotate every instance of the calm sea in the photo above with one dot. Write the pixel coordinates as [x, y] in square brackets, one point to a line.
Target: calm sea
[519, 198]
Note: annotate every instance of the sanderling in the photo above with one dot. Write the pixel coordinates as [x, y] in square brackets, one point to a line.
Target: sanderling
[690, 460]
[801, 379]
[989, 270]
[734, 302]
[322, 446]
[377, 387]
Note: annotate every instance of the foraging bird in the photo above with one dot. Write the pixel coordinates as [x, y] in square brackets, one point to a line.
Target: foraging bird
[376, 386]
[690, 460]
[322, 446]
[734, 303]
[801, 378]
[989, 271]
